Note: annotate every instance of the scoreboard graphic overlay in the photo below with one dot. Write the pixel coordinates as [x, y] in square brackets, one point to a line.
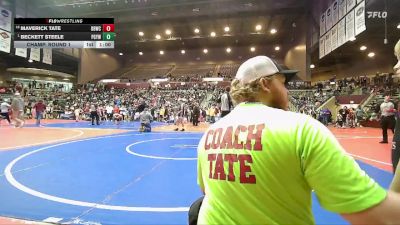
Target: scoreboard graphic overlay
[64, 33]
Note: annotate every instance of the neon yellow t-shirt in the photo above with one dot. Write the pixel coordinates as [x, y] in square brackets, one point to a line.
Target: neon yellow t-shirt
[258, 165]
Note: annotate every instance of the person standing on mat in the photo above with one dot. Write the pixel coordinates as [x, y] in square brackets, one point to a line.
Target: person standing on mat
[387, 118]
[40, 107]
[196, 114]
[17, 107]
[94, 114]
[77, 113]
[243, 162]
[226, 102]
[182, 113]
[145, 120]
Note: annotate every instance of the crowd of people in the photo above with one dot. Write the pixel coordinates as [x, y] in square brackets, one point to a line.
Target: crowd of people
[98, 102]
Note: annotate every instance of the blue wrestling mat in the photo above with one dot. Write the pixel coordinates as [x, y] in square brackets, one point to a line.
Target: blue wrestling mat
[130, 178]
[134, 125]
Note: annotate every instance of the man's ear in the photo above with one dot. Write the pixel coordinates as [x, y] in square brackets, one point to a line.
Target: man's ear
[265, 84]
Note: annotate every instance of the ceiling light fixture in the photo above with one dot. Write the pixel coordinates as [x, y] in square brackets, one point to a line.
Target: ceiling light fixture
[258, 27]
[205, 51]
[121, 53]
[252, 49]
[312, 66]
[183, 52]
[158, 37]
[273, 31]
[161, 52]
[398, 26]
[371, 54]
[227, 29]
[277, 48]
[168, 32]
[197, 30]
[212, 34]
[363, 48]
[140, 53]
[228, 50]
[141, 33]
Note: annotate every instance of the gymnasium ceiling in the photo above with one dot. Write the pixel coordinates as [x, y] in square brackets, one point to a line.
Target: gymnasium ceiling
[181, 17]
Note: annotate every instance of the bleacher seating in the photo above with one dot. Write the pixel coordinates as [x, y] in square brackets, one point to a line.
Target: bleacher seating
[147, 72]
[307, 99]
[228, 70]
[194, 70]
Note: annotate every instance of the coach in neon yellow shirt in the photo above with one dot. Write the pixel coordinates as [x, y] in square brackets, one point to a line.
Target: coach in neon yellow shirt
[258, 164]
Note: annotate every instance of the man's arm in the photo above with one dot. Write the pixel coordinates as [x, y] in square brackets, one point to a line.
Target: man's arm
[339, 183]
[395, 185]
[386, 212]
[343, 188]
[200, 180]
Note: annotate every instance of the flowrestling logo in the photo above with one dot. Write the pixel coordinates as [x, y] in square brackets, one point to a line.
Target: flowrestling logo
[377, 14]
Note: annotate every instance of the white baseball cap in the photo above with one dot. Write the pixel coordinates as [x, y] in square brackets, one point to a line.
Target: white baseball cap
[397, 54]
[261, 66]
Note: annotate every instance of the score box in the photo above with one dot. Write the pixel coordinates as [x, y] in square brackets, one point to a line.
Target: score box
[108, 36]
[108, 27]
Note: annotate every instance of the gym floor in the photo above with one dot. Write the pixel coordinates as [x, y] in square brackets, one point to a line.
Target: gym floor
[75, 173]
